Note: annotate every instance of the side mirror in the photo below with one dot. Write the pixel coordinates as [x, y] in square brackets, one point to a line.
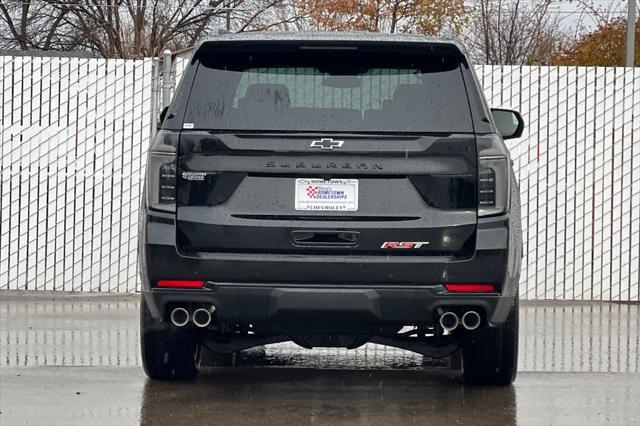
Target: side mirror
[163, 115]
[509, 123]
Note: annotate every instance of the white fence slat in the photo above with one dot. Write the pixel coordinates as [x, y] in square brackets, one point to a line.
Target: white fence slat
[616, 189]
[571, 139]
[551, 159]
[634, 268]
[624, 130]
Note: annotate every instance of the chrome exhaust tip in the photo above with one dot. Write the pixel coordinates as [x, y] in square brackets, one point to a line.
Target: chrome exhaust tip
[179, 317]
[471, 320]
[449, 321]
[202, 317]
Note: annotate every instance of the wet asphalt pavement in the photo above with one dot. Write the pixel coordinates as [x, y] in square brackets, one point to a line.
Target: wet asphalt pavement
[76, 361]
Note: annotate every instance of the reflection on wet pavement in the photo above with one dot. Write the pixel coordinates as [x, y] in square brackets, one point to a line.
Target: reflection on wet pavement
[589, 337]
[97, 331]
[75, 361]
[103, 331]
[265, 396]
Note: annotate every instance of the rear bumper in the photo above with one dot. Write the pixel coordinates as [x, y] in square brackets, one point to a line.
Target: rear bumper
[276, 290]
[279, 308]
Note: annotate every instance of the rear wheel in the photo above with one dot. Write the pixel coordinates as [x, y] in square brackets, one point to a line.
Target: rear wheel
[168, 353]
[490, 355]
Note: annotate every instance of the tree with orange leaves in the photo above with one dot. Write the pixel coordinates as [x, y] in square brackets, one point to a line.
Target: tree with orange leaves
[603, 47]
[432, 17]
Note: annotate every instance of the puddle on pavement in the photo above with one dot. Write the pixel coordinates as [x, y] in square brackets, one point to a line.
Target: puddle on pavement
[554, 337]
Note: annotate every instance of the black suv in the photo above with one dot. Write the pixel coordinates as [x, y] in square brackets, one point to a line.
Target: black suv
[331, 189]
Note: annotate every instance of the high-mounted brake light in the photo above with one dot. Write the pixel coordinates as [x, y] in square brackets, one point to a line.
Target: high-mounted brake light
[180, 283]
[470, 288]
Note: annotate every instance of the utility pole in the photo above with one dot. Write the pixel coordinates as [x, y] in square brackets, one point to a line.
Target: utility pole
[155, 90]
[631, 32]
[167, 82]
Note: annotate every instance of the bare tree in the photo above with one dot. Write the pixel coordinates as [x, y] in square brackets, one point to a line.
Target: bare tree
[434, 17]
[259, 15]
[512, 31]
[600, 13]
[32, 25]
[138, 28]
[128, 28]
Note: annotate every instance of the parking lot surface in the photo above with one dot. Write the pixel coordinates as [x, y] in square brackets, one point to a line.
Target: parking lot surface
[74, 360]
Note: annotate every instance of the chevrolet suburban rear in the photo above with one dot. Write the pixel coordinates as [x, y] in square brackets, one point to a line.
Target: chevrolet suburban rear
[331, 189]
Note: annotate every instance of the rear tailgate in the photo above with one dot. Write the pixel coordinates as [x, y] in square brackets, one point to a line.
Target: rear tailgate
[416, 195]
[328, 148]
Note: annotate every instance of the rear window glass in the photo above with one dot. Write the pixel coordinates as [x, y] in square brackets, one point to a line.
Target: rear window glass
[338, 91]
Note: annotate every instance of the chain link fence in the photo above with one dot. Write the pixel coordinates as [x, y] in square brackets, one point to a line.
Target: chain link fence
[74, 134]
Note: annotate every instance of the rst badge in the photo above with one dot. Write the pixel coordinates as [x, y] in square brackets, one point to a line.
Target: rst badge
[404, 244]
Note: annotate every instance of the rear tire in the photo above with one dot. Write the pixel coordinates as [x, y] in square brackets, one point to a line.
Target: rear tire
[490, 354]
[168, 353]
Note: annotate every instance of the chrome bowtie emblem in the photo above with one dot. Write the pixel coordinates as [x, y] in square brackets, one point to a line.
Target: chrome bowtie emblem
[326, 143]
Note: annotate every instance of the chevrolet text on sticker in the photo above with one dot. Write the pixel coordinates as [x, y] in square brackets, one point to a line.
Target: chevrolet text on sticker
[326, 195]
[404, 244]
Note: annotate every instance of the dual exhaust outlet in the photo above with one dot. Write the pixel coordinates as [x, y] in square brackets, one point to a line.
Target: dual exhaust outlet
[201, 317]
[470, 320]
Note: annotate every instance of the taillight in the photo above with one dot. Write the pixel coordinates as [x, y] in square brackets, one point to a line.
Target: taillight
[470, 288]
[493, 175]
[161, 172]
[180, 283]
[493, 185]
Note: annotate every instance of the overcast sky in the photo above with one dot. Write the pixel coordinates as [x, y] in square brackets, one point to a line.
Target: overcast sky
[573, 14]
